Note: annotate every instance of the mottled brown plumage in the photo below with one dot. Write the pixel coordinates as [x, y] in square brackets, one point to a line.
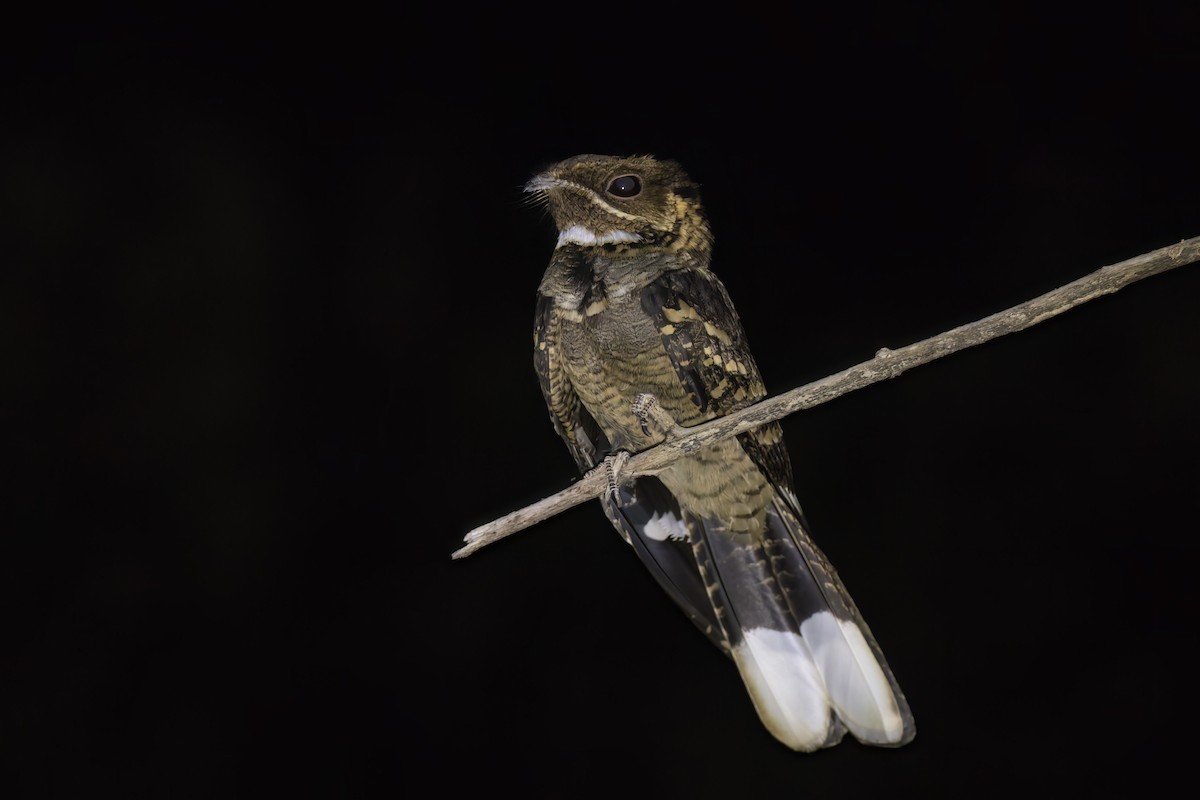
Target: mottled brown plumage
[629, 305]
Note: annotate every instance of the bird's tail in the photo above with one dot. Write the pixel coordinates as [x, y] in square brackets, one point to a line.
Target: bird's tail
[808, 659]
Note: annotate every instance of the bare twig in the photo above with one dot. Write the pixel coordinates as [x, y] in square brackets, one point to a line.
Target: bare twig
[885, 364]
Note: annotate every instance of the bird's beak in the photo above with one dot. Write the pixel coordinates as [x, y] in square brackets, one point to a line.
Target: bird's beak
[540, 183]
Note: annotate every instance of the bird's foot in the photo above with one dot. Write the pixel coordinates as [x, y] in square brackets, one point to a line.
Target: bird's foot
[647, 409]
[612, 467]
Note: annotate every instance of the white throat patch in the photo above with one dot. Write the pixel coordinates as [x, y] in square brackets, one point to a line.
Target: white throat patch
[577, 234]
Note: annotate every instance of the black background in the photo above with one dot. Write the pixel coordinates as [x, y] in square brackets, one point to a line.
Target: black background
[266, 312]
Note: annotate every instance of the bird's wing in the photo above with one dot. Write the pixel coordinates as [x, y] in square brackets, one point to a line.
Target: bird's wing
[585, 440]
[808, 659]
[645, 513]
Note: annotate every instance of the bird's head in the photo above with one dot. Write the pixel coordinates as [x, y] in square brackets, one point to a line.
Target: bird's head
[608, 200]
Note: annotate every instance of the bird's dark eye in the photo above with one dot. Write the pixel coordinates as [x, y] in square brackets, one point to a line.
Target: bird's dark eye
[625, 186]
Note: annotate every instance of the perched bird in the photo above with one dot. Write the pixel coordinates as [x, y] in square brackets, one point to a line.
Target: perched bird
[629, 305]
